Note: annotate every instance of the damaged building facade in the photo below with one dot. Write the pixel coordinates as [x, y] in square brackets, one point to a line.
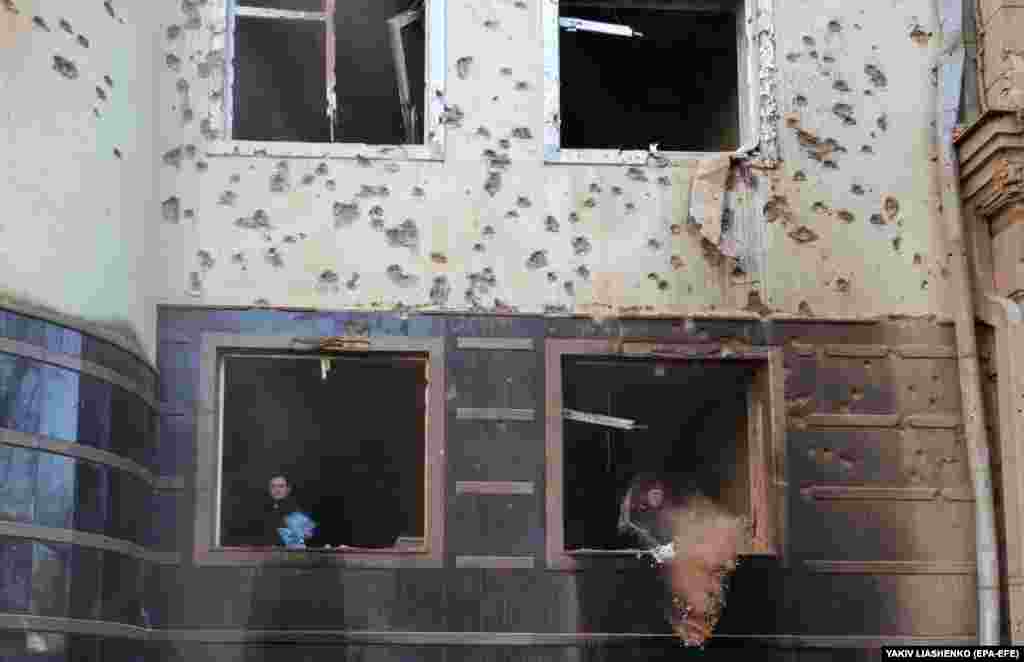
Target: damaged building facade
[460, 271]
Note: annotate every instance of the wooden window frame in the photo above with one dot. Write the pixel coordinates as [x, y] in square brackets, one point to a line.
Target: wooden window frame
[209, 446]
[766, 441]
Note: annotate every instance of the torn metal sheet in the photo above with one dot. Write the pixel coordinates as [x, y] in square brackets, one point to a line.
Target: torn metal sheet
[601, 419]
[707, 199]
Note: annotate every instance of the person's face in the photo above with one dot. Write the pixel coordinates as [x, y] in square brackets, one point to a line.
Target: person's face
[655, 498]
[279, 488]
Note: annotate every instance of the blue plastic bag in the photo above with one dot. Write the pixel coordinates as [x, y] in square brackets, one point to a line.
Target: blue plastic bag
[299, 527]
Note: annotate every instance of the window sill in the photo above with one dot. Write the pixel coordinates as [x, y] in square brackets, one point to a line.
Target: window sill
[350, 557]
[632, 157]
[282, 149]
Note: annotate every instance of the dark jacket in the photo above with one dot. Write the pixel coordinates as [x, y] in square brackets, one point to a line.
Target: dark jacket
[272, 519]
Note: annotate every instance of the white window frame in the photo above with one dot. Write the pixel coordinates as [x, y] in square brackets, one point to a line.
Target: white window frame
[757, 103]
[224, 13]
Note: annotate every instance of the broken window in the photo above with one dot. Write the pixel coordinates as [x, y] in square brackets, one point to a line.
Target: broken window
[348, 432]
[626, 74]
[323, 71]
[634, 423]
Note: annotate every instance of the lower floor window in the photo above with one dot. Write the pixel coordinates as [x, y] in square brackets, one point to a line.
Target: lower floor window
[340, 439]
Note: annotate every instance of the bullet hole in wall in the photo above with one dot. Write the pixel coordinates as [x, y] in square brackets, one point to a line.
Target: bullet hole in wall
[537, 260]
[173, 32]
[440, 291]
[40, 23]
[846, 216]
[493, 183]
[875, 74]
[581, 246]
[883, 122]
[117, 153]
[397, 275]
[345, 213]
[173, 62]
[551, 224]
[171, 209]
[463, 66]
[82, 41]
[403, 235]
[803, 235]
[173, 157]
[891, 206]
[273, 257]
[65, 67]
[844, 111]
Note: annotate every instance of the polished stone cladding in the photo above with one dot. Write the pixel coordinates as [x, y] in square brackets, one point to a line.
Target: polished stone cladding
[79, 515]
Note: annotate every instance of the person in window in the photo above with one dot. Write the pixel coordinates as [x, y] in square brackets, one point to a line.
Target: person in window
[283, 522]
[645, 512]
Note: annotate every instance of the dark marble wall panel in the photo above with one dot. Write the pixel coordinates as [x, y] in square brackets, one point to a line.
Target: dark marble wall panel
[51, 579]
[131, 427]
[495, 524]
[86, 570]
[163, 518]
[92, 498]
[18, 470]
[129, 499]
[94, 412]
[55, 491]
[855, 385]
[848, 530]
[496, 450]
[179, 374]
[420, 600]
[176, 445]
[15, 574]
[122, 589]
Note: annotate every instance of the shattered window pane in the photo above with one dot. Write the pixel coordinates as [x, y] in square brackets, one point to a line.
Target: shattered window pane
[279, 81]
[676, 85]
[368, 101]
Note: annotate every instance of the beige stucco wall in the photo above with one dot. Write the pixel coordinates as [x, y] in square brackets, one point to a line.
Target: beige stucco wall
[74, 234]
[852, 268]
[77, 224]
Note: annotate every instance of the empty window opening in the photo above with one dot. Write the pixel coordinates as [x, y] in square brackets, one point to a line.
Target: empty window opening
[681, 422]
[321, 71]
[349, 435]
[676, 83]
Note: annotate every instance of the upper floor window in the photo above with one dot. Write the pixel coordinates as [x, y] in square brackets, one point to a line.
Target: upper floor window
[622, 75]
[335, 75]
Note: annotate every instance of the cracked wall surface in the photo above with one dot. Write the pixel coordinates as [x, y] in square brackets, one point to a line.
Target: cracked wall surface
[78, 180]
[846, 225]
